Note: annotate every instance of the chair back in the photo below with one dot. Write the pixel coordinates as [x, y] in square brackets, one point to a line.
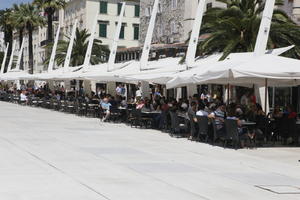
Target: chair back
[174, 122]
[214, 128]
[231, 127]
[202, 125]
[193, 124]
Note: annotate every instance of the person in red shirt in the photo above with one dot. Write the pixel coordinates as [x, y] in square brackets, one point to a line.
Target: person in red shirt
[291, 113]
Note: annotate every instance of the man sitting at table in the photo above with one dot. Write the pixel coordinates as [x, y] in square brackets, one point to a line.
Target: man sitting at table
[148, 107]
[105, 105]
[23, 97]
[232, 115]
[219, 116]
[201, 110]
[192, 111]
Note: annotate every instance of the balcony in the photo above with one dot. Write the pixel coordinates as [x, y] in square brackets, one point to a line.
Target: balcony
[45, 42]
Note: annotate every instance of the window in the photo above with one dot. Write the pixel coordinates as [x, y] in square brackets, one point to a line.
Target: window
[122, 33]
[119, 8]
[136, 32]
[136, 10]
[173, 4]
[103, 7]
[159, 8]
[148, 11]
[160, 30]
[103, 30]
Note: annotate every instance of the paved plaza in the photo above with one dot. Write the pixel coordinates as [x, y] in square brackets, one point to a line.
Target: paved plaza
[48, 155]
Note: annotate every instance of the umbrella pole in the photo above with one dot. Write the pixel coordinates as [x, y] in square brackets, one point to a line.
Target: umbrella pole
[266, 93]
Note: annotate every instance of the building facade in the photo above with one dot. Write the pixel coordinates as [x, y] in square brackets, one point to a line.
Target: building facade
[292, 8]
[84, 11]
[108, 14]
[174, 19]
[39, 42]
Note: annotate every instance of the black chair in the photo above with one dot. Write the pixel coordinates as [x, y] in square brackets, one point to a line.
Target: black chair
[165, 123]
[92, 110]
[144, 120]
[214, 130]
[115, 114]
[202, 128]
[81, 109]
[176, 127]
[71, 107]
[137, 120]
[232, 134]
[193, 127]
[292, 128]
[133, 118]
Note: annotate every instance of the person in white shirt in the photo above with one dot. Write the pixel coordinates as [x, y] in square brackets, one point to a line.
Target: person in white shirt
[245, 99]
[201, 111]
[119, 90]
[23, 97]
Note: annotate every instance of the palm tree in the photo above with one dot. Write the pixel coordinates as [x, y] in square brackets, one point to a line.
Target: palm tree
[235, 28]
[18, 20]
[99, 52]
[6, 25]
[19, 23]
[32, 20]
[49, 7]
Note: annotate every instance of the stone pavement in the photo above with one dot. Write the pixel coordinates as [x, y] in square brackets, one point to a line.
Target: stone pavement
[47, 155]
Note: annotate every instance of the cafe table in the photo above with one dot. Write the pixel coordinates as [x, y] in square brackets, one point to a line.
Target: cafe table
[248, 123]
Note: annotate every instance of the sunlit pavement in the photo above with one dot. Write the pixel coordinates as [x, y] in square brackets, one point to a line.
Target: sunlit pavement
[47, 155]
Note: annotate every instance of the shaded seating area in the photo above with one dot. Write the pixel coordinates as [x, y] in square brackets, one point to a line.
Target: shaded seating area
[210, 122]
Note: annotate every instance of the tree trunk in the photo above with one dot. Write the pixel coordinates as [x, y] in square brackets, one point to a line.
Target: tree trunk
[8, 37]
[50, 27]
[20, 44]
[30, 48]
[20, 37]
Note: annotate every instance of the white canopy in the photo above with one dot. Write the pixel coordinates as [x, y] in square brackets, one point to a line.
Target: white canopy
[279, 71]
[159, 71]
[131, 71]
[219, 72]
[10, 76]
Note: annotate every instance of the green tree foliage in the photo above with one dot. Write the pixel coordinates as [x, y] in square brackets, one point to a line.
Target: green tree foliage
[235, 28]
[99, 52]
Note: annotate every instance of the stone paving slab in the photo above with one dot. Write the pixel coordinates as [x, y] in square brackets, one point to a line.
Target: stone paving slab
[48, 155]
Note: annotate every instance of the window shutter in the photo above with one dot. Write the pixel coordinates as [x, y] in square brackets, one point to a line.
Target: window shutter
[103, 7]
[103, 30]
[136, 11]
[136, 32]
[119, 8]
[122, 33]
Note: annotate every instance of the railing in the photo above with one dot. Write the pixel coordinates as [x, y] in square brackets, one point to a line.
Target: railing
[45, 42]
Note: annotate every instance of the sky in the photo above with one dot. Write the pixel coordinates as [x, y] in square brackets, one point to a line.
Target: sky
[8, 3]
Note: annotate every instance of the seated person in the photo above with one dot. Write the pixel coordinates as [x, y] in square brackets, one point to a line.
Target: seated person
[113, 101]
[23, 97]
[105, 105]
[277, 114]
[291, 113]
[140, 104]
[148, 107]
[232, 115]
[123, 103]
[192, 111]
[261, 123]
[201, 110]
[290, 125]
[219, 116]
